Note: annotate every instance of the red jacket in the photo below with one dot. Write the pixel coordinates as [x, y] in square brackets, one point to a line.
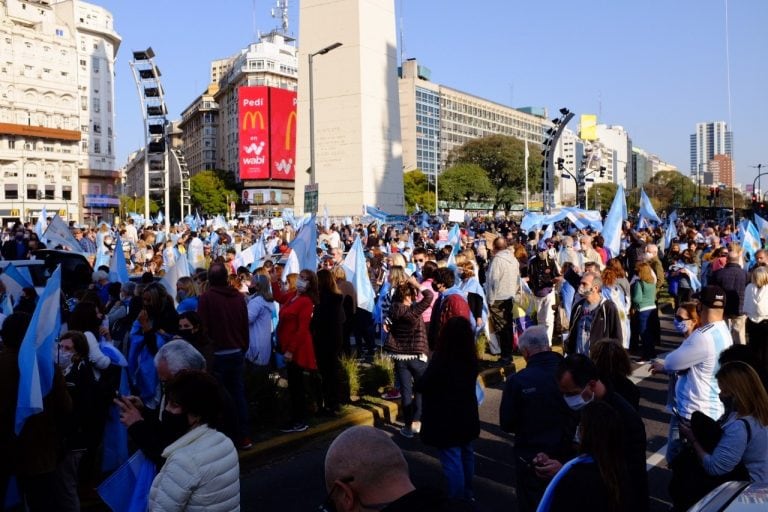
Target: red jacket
[224, 315]
[293, 331]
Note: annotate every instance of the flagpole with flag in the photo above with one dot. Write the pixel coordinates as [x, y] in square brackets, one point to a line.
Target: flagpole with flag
[36, 353]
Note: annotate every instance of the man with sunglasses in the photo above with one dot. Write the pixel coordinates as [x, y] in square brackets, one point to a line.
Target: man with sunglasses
[365, 470]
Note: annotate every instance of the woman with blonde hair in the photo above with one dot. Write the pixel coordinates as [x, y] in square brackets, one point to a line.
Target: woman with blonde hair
[740, 452]
[756, 309]
[644, 303]
[186, 295]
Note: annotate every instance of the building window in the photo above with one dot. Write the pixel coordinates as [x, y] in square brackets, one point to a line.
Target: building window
[66, 193]
[31, 191]
[49, 192]
[11, 191]
[12, 143]
[96, 128]
[95, 64]
[84, 102]
[97, 146]
[96, 105]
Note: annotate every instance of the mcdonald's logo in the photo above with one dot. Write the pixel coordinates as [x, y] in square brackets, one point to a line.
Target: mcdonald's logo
[291, 117]
[252, 116]
[14, 212]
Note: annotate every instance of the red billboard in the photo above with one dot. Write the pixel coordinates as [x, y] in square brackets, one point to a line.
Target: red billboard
[253, 120]
[282, 126]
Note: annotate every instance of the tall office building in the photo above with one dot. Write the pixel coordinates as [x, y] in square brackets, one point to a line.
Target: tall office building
[435, 119]
[709, 140]
[56, 110]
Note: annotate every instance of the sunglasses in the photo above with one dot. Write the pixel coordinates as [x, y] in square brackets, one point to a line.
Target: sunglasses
[418, 261]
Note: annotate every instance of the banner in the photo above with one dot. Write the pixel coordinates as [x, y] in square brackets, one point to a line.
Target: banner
[253, 113]
[266, 196]
[282, 126]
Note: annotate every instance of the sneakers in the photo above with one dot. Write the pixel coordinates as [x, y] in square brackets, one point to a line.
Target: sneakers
[294, 427]
[407, 432]
[416, 427]
[245, 444]
[392, 394]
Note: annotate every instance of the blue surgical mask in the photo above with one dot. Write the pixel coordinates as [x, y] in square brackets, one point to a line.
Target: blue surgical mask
[576, 402]
[681, 326]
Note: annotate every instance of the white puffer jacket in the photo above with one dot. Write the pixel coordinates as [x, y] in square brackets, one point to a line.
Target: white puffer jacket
[201, 473]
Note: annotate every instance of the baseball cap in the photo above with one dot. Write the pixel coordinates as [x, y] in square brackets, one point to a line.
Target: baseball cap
[712, 297]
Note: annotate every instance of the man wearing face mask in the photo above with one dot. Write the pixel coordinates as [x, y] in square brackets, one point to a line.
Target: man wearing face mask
[695, 362]
[543, 275]
[17, 247]
[579, 382]
[593, 317]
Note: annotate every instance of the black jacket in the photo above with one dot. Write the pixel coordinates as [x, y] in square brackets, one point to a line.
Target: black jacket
[633, 430]
[733, 279]
[327, 325]
[533, 409]
[606, 323]
[449, 415]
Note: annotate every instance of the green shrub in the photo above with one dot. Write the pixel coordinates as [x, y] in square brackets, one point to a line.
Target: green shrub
[481, 345]
[351, 371]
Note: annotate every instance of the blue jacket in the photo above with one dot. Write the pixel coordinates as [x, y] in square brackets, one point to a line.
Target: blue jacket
[533, 409]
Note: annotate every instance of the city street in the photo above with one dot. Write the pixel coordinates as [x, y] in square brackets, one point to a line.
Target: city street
[295, 482]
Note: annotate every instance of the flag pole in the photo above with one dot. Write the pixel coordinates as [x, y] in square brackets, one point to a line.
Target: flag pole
[527, 154]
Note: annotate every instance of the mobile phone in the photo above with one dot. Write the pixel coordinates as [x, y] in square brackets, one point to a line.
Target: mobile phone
[527, 463]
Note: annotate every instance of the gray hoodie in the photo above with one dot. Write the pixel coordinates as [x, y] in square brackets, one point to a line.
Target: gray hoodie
[502, 280]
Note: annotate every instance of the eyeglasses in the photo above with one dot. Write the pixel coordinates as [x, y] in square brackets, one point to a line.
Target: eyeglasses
[678, 318]
[418, 261]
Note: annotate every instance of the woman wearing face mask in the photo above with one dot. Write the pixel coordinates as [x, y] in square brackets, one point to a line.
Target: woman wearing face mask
[186, 295]
[295, 339]
[740, 454]
[191, 330]
[644, 305]
[756, 308]
[201, 470]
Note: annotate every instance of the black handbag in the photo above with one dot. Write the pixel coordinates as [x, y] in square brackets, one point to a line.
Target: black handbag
[689, 481]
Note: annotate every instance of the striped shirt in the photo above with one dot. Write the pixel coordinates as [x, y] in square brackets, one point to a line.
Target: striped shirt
[695, 360]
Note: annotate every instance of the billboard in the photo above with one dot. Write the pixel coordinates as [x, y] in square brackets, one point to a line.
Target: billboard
[262, 196]
[588, 127]
[282, 126]
[253, 120]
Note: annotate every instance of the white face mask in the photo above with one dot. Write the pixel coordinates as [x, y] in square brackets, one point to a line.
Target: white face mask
[552, 253]
[577, 402]
[584, 292]
[65, 359]
[301, 285]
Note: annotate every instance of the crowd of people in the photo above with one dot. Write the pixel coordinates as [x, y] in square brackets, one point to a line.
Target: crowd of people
[168, 353]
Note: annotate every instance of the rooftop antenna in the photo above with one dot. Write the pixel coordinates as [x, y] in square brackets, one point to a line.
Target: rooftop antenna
[256, 35]
[281, 10]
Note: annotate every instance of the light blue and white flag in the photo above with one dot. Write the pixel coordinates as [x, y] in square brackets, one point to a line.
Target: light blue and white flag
[305, 245]
[160, 217]
[36, 352]
[127, 489]
[7, 305]
[253, 254]
[750, 241]
[326, 219]
[646, 208]
[178, 270]
[357, 273]
[40, 225]
[58, 234]
[672, 217]
[613, 222]
[292, 266]
[762, 226]
[219, 222]
[14, 281]
[670, 235]
[118, 269]
[583, 219]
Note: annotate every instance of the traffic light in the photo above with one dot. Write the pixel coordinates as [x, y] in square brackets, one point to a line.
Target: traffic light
[560, 162]
[602, 172]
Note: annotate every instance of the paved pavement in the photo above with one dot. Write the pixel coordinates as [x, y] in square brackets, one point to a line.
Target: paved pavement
[292, 479]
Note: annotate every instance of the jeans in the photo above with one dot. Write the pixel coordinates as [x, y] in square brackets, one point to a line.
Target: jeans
[409, 372]
[737, 325]
[674, 442]
[229, 371]
[459, 468]
[66, 481]
[500, 313]
[647, 322]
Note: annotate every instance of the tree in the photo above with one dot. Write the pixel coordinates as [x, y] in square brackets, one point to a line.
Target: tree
[416, 191]
[129, 205]
[463, 183]
[600, 196]
[210, 192]
[503, 159]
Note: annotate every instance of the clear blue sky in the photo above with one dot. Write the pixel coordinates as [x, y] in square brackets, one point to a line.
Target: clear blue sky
[656, 67]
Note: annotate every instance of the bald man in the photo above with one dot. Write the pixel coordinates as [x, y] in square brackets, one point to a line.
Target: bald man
[365, 470]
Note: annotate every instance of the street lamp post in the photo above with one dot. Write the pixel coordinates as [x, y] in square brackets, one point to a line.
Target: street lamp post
[312, 110]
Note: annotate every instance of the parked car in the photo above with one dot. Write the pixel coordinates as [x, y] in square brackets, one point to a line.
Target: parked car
[734, 497]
